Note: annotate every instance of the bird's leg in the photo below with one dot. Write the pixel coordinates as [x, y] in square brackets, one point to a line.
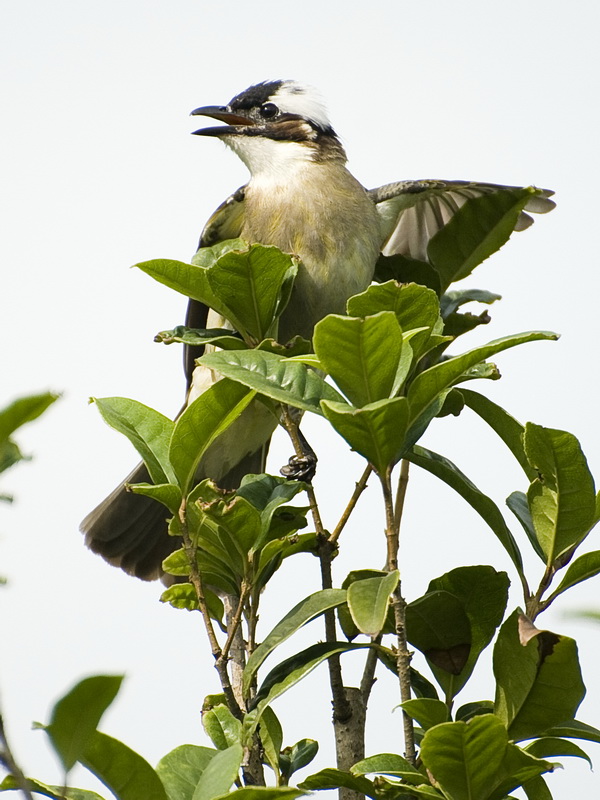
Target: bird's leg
[303, 465]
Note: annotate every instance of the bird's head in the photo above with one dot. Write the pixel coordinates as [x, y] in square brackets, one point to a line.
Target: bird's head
[274, 123]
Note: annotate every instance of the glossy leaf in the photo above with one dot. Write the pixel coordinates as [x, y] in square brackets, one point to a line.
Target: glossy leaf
[405, 270]
[291, 671]
[10, 783]
[415, 306]
[507, 427]
[335, 778]
[551, 747]
[284, 380]
[361, 354]
[517, 502]
[444, 469]
[199, 337]
[388, 764]
[428, 384]
[200, 424]
[562, 500]
[23, 410]
[483, 593]
[437, 625]
[452, 301]
[250, 285]
[180, 770]
[219, 774]
[478, 229]
[474, 760]
[221, 726]
[190, 280]
[368, 601]
[573, 729]
[124, 772]
[265, 793]
[75, 716]
[166, 493]
[528, 665]
[584, 567]
[297, 756]
[306, 610]
[271, 737]
[427, 712]
[147, 430]
[376, 431]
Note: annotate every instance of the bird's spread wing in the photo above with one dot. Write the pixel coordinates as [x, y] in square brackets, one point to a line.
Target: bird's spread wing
[225, 223]
[412, 212]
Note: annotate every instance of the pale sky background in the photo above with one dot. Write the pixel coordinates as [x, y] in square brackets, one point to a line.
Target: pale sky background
[100, 172]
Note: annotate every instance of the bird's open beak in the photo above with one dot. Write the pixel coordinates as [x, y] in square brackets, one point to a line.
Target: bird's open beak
[232, 121]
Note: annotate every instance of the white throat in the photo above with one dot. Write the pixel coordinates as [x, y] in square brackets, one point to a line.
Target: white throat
[270, 159]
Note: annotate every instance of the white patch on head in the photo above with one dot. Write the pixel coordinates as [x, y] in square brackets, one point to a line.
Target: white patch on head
[270, 159]
[297, 98]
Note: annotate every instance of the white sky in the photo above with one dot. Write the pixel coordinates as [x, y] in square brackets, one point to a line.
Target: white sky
[100, 172]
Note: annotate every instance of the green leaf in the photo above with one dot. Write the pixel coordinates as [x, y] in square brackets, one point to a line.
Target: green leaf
[250, 284]
[362, 355]
[466, 758]
[335, 778]
[219, 774]
[437, 625]
[470, 710]
[180, 770]
[452, 301]
[506, 426]
[198, 337]
[265, 793]
[388, 764]
[478, 229]
[415, 307]
[550, 747]
[573, 729]
[148, 431]
[562, 500]
[584, 567]
[291, 671]
[200, 424]
[376, 431]
[368, 601]
[405, 270]
[75, 716]
[426, 712]
[124, 772]
[271, 737]
[190, 280]
[444, 469]
[537, 789]
[483, 593]
[528, 665]
[517, 502]
[284, 380]
[427, 386]
[166, 493]
[23, 410]
[223, 729]
[306, 610]
[10, 783]
[297, 756]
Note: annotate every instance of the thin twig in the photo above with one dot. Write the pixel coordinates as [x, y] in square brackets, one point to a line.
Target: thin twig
[8, 761]
[198, 584]
[399, 605]
[358, 490]
[401, 493]
[235, 621]
[368, 677]
[292, 429]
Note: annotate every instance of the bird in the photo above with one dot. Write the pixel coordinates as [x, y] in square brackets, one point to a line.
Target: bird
[301, 198]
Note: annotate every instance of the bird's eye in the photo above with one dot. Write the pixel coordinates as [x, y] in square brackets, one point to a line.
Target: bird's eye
[268, 110]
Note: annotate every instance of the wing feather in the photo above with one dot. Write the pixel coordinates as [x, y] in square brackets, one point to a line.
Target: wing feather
[412, 212]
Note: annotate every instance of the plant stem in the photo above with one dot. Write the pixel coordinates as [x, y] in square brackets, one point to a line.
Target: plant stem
[197, 583]
[358, 490]
[7, 760]
[404, 655]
